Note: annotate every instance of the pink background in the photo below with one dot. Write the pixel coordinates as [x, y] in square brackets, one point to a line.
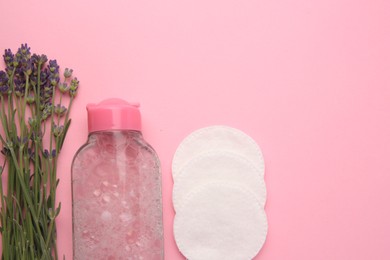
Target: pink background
[308, 80]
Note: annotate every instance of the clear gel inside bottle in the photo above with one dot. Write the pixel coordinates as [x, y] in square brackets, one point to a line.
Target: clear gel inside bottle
[116, 188]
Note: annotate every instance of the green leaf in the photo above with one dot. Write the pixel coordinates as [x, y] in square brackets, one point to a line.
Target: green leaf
[58, 209]
[66, 127]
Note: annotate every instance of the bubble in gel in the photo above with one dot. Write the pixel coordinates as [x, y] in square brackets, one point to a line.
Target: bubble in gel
[106, 216]
[106, 198]
[97, 193]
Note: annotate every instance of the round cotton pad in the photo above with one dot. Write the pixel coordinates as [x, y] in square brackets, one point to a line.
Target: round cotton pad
[220, 221]
[218, 166]
[217, 138]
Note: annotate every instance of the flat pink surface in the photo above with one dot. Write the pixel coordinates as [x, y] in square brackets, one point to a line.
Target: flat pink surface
[308, 80]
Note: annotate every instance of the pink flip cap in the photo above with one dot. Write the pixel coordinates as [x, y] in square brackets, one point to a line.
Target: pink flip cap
[113, 114]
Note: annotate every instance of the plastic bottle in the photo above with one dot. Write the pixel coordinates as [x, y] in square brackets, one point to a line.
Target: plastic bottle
[116, 188]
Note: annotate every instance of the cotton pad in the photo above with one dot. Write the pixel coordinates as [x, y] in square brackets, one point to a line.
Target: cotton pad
[217, 138]
[220, 221]
[218, 166]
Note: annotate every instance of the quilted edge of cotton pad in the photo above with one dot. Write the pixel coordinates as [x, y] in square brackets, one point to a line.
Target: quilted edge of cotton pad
[229, 155]
[230, 185]
[198, 132]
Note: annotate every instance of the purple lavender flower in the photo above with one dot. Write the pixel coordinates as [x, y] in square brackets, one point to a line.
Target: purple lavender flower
[44, 76]
[9, 71]
[54, 79]
[20, 86]
[48, 154]
[3, 78]
[47, 111]
[74, 85]
[8, 58]
[59, 110]
[63, 87]
[4, 87]
[36, 135]
[39, 59]
[35, 58]
[53, 66]
[68, 73]
[21, 141]
[5, 151]
[46, 95]
[30, 153]
[34, 79]
[23, 53]
[19, 72]
[29, 67]
[48, 81]
[58, 130]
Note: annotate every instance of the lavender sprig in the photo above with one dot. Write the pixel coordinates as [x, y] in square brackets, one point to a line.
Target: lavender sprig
[30, 109]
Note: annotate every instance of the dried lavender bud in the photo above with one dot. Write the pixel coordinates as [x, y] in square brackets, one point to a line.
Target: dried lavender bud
[53, 66]
[30, 153]
[22, 141]
[39, 59]
[45, 115]
[23, 53]
[63, 87]
[3, 78]
[44, 76]
[46, 94]
[47, 111]
[43, 59]
[23, 65]
[9, 71]
[19, 87]
[72, 93]
[4, 89]
[59, 110]
[46, 153]
[23, 61]
[74, 84]
[36, 136]
[19, 73]
[54, 79]
[28, 69]
[8, 58]
[30, 99]
[35, 58]
[68, 73]
[33, 80]
[5, 151]
[54, 76]
[58, 130]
